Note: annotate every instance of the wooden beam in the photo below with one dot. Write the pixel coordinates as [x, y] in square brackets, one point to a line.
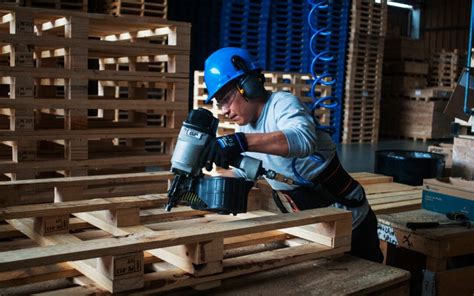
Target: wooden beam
[55, 134]
[68, 207]
[109, 104]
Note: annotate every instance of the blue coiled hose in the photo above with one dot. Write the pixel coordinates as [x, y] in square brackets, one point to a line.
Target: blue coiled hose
[325, 78]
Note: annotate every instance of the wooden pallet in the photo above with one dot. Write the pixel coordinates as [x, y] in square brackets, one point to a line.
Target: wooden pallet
[182, 248]
[445, 68]
[364, 71]
[296, 83]
[52, 124]
[152, 8]
[415, 119]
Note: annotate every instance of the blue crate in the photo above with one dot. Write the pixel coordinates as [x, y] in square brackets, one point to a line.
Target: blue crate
[243, 24]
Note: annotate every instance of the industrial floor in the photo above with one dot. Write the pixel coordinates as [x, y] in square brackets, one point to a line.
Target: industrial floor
[361, 157]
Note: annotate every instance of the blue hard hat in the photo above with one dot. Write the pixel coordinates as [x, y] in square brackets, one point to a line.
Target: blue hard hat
[219, 69]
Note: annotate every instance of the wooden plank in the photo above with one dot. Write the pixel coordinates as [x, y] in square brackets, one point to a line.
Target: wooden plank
[123, 104]
[68, 207]
[140, 242]
[54, 165]
[111, 133]
[459, 277]
[86, 180]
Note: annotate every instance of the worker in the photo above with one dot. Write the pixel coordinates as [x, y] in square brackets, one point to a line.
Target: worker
[279, 129]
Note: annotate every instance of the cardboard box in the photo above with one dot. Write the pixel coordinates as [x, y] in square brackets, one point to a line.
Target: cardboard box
[455, 195]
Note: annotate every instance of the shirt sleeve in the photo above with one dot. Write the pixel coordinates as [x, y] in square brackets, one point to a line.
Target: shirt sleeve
[296, 123]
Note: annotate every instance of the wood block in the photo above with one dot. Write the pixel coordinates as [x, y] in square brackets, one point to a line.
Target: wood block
[121, 266]
[51, 225]
[124, 217]
[68, 193]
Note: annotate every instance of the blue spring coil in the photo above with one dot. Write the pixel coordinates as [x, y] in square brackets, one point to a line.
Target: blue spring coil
[325, 78]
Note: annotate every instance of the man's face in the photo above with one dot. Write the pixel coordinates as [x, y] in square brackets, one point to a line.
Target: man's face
[234, 106]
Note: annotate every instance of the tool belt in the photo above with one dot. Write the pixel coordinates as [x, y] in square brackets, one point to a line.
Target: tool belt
[332, 185]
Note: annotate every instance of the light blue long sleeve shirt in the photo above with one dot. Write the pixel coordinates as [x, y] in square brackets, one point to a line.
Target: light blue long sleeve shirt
[286, 113]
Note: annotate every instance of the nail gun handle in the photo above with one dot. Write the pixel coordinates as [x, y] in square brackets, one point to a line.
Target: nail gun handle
[422, 225]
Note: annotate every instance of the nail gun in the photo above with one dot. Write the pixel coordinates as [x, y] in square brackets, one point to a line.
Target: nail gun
[218, 194]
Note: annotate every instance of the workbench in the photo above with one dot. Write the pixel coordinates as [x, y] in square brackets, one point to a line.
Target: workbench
[444, 271]
[344, 275]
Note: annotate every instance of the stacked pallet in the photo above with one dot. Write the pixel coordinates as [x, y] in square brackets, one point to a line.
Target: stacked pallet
[409, 108]
[289, 42]
[61, 106]
[244, 23]
[445, 68]
[131, 245]
[417, 114]
[364, 71]
[296, 83]
[152, 8]
[405, 65]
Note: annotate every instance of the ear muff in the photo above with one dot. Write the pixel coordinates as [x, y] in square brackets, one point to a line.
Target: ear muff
[250, 85]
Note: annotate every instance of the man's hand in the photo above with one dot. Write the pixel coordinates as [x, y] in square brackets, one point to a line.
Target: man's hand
[224, 150]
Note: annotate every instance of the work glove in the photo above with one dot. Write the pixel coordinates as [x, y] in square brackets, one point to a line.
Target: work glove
[224, 150]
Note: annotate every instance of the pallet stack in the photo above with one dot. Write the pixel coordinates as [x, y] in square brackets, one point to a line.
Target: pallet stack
[410, 107]
[364, 71]
[417, 114]
[77, 245]
[151, 8]
[244, 24]
[289, 36]
[61, 109]
[296, 83]
[76, 5]
[405, 66]
[445, 68]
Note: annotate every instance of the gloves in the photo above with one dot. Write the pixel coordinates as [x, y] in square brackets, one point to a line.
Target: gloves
[224, 150]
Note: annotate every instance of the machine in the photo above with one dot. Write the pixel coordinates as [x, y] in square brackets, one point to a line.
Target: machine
[223, 195]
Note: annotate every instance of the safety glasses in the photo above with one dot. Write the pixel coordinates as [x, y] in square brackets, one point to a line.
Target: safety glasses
[227, 100]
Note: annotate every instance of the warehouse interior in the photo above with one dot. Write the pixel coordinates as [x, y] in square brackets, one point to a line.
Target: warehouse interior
[224, 147]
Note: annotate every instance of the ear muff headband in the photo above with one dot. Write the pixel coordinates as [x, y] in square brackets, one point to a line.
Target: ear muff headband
[250, 85]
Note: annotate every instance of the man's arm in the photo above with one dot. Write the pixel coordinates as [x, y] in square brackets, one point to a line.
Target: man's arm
[271, 143]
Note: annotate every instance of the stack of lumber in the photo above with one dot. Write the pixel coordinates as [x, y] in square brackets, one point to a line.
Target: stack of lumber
[152, 8]
[384, 195]
[78, 92]
[130, 244]
[367, 28]
[445, 68]
[298, 84]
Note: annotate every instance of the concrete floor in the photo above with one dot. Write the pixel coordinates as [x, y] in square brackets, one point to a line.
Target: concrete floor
[360, 157]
